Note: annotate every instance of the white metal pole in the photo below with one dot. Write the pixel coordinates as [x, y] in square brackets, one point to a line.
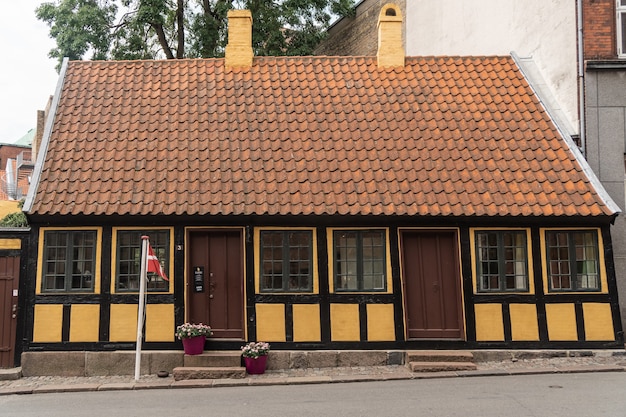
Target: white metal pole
[142, 303]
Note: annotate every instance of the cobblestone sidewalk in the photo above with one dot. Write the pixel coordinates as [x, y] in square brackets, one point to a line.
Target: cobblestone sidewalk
[610, 361]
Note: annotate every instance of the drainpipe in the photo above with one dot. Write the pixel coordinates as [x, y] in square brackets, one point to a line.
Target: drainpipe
[581, 77]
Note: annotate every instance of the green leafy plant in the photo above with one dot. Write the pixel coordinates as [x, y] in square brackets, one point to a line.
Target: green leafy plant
[187, 330]
[255, 349]
[17, 219]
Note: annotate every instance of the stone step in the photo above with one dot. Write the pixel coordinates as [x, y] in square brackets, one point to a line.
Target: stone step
[441, 366]
[208, 372]
[214, 359]
[439, 356]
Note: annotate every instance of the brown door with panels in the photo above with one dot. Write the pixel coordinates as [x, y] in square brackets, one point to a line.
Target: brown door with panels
[432, 285]
[9, 284]
[215, 281]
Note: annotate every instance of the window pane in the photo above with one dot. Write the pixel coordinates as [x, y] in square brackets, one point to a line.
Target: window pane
[373, 261]
[573, 253]
[286, 261]
[129, 244]
[69, 259]
[501, 261]
[360, 263]
[346, 260]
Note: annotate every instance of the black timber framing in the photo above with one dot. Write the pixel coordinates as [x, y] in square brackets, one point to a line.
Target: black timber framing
[324, 298]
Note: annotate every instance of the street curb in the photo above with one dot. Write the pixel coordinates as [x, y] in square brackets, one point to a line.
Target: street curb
[299, 380]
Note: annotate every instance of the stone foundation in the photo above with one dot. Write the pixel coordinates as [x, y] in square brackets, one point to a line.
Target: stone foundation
[82, 363]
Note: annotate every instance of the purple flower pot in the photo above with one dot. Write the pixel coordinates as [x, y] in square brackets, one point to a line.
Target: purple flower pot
[194, 345]
[255, 366]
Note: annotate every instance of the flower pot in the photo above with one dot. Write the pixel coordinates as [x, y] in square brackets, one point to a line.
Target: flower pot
[255, 366]
[194, 345]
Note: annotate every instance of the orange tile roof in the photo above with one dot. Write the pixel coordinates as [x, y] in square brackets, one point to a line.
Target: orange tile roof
[443, 136]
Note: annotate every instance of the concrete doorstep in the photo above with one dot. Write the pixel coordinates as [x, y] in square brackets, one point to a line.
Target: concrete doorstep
[10, 374]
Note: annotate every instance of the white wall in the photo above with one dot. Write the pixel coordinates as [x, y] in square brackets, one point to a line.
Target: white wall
[543, 29]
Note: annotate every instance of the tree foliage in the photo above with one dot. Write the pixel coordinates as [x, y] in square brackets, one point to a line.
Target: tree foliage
[17, 219]
[153, 29]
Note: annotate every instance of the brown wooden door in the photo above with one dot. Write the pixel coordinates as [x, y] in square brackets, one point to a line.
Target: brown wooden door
[9, 284]
[215, 282]
[432, 285]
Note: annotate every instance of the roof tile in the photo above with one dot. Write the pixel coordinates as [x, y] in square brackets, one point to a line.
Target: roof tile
[443, 136]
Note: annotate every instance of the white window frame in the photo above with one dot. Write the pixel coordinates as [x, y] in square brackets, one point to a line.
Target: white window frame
[621, 27]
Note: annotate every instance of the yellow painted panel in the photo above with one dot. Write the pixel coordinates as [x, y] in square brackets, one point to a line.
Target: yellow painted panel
[561, 320]
[306, 323]
[48, 323]
[85, 323]
[598, 321]
[160, 323]
[524, 325]
[344, 322]
[489, 324]
[270, 322]
[380, 322]
[123, 323]
[10, 243]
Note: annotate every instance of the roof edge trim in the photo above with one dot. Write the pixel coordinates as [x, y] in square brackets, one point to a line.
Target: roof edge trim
[593, 179]
[43, 150]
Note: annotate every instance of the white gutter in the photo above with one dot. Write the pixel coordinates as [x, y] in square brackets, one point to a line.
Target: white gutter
[47, 132]
[581, 77]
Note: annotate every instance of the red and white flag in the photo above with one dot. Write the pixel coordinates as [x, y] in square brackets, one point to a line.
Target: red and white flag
[154, 265]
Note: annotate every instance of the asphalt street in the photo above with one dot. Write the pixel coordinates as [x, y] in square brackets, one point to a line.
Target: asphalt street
[572, 395]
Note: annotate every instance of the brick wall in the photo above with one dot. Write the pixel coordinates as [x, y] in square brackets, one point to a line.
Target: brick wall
[9, 151]
[599, 29]
[358, 35]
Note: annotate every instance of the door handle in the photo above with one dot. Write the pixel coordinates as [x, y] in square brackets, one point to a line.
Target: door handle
[14, 311]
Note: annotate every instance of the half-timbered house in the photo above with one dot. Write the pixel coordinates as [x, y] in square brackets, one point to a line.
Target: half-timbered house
[316, 203]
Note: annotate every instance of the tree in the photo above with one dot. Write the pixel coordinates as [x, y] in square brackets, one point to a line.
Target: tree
[153, 29]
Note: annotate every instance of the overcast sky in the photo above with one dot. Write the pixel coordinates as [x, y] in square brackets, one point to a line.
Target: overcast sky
[27, 75]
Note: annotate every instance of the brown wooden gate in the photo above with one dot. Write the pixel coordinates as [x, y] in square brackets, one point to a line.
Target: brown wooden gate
[9, 284]
[215, 281]
[432, 284]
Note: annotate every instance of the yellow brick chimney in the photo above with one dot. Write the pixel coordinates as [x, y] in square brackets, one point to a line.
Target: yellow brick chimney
[239, 48]
[390, 45]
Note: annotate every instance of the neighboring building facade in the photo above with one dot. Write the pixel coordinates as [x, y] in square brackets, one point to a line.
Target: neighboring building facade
[16, 160]
[316, 203]
[17, 163]
[12, 276]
